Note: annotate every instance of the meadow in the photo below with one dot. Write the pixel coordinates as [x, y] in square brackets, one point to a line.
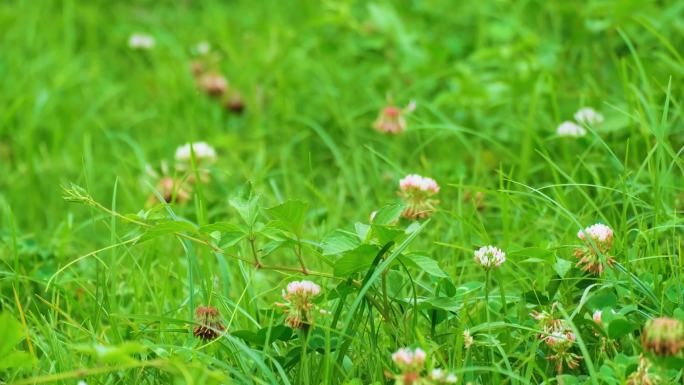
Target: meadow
[341, 192]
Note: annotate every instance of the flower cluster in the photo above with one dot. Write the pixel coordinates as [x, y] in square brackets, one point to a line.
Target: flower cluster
[208, 323]
[203, 153]
[490, 256]
[643, 375]
[583, 116]
[174, 189]
[411, 364]
[417, 193]
[663, 336]
[593, 255]
[392, 120]
[559, 338]
[214, 84]
[140, 41]
[589, 116]
[299, 306]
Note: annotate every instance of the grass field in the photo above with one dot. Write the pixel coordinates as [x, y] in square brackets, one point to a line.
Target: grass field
[295, 246]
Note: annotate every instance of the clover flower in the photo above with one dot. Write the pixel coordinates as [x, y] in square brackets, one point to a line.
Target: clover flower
[214, 84]
[234, 102]
[299, 306]
[202, 48]
[417, 193]
[643, 375]
[172, 190]
[490, 256]
[407, 359]
[439, 376]
[141, 41]
[467, 339]
[570, 129]
[589, 116]
[593, 255]
[209, 325]
[597, 317]
[392, 120]
[559, 339]
[412, 365]
[203, 152]
[663, 336]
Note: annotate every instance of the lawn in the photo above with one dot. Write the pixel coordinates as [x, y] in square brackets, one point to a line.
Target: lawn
[341, 192]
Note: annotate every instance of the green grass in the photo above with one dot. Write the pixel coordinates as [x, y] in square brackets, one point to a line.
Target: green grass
[105, 291]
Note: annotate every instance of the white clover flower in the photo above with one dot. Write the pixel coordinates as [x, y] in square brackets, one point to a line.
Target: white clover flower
[490, 256]
[406, 358]
[598, 232]
[451, 379]
[570, 129]
[141, 41]
[597, 316]
[420, 183]
[202, 48]
[203, 152]
[467, 339]
[437, 374]
[588, 115]
[303, 289]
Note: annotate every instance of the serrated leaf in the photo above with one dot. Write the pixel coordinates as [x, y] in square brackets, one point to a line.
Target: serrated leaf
[246, 204]
[291, 213]
[339, 242]
[424, 263]
[355, 260]
[388, 215]
[562, 267]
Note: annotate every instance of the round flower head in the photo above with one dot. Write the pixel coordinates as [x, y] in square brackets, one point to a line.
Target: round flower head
[298, 295]
[597, 317]
[209, 325]
[213, 84]
[490, 256]
[589, 116]
[202, 48]
[203, 152]
[302, 289]
[570, 129]
[599, 233]
[663, 336]
[390, 121]
[409, 360]
[593, 256]
[141, 41]
[467, 339]
[417, 193]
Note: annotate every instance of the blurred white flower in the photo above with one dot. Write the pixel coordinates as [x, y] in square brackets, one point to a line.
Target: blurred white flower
[407, 359]
[141, 41]
[417, 182]
[490, 256]
[588, 115]
[598, 232]
[570, 129]
[301, 289]
[203, 152]
[202, 48]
